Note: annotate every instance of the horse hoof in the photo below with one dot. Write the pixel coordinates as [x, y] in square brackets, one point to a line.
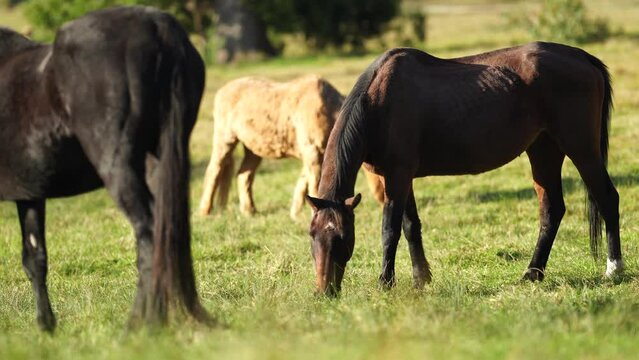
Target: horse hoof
[47, 322]
[421, 278]
[386, 282]
[533, 274]
[248, 211]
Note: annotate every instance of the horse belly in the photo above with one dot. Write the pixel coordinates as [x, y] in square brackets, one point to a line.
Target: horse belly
[474, 155]
[48, 172]
[266, 138]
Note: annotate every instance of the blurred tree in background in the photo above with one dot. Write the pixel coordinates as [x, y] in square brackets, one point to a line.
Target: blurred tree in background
[9, 3]
[242, 26]
[564, 21]
[48, 15]
[327, 22]
[242, 30]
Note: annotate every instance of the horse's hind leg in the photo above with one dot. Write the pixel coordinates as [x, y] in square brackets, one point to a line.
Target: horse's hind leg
[128, 187]
[308, 181]
[124, 174]
[34, 258]
[219, 172]
[376, 184]
[245, 177]
[413, 233]
[546, 160]
[603, 192]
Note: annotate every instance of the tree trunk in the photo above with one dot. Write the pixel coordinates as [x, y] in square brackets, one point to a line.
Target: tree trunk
[243, 32]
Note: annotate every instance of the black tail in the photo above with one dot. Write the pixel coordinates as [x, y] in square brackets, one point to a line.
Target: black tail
[173, 278]
[594, 216]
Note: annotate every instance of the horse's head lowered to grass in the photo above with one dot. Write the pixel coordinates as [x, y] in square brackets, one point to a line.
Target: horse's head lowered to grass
[333, 239]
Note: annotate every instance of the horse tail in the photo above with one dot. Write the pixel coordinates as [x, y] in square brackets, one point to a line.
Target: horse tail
[594, 216]
[172, 270]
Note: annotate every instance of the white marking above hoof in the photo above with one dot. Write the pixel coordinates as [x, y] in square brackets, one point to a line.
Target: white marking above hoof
[614, 267]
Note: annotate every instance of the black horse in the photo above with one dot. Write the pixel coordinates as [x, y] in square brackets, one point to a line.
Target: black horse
[111, 103]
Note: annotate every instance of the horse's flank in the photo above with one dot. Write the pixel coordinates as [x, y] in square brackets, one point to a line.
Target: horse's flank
[31, 172]
[457, 111]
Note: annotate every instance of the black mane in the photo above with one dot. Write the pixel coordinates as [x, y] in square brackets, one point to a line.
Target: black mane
[351, 143]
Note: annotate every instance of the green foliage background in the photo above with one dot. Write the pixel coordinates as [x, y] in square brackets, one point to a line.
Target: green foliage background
[563, 21]
[335, 22]
[48, 15]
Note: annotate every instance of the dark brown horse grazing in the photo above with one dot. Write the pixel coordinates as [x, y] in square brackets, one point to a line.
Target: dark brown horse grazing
[111, 103]
[411, 115]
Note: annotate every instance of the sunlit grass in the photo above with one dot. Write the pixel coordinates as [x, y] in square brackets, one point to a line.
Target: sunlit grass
[255, 274]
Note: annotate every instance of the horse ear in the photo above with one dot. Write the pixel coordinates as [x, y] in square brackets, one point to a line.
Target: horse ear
[315, 203]
[352, 202]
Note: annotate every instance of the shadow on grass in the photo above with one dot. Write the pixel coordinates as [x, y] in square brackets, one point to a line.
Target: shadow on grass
[588, 282]
[570, 185]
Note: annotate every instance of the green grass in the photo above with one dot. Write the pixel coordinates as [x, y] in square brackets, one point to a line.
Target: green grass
[256, 276]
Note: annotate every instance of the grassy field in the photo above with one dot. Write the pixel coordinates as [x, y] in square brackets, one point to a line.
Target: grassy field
[255, 274]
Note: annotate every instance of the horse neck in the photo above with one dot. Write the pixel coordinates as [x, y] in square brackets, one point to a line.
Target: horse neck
[339, 170]
[12, 42]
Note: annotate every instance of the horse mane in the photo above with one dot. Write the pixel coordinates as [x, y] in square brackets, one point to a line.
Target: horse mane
[12, 42]
[350, 128]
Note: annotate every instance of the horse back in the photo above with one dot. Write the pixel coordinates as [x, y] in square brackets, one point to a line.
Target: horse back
[275, 119]
[471, 114]
[116, 69]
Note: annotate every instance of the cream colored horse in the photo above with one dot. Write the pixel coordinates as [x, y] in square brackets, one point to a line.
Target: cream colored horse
[272, 120]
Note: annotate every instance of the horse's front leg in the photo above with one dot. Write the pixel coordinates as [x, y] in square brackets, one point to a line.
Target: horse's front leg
[397, 189]
[34, 258]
